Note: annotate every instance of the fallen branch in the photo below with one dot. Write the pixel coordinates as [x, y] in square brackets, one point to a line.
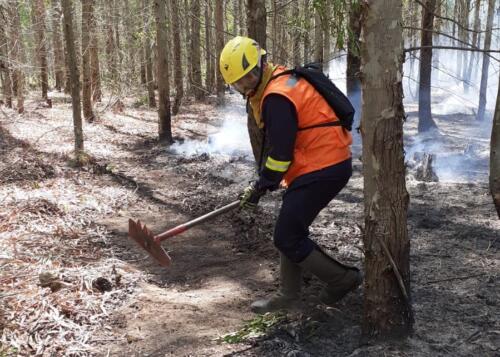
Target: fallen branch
[394, 268]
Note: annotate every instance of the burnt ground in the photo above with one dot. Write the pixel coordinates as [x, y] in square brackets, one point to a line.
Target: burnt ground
[71, 222]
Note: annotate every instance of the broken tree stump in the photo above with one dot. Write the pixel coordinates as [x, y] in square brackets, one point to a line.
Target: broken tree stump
[424, 170]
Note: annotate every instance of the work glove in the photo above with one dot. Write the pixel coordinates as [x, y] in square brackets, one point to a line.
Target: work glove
[250, 196]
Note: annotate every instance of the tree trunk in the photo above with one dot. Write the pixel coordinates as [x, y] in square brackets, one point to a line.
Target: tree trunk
[5, 58]
[110, 42]
[219, 45]
[130, 27]
[87, 9]
[241, 17]
[176, 36]
[236, 14]
[74, 73]
[495, 157]
[57, 44]
[318, 37]
[296, 37]
[475, 43]
[18, 54]
[147, 54]
[307, 28]
[387, 312]
[353, 84]
[95, 70]
[210, 75]
[483, 88]
[256, 22]
[425, 121]
[195, 51]
[162, 74]
[41, 47]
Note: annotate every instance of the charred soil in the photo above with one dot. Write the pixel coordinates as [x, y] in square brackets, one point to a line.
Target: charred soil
[70, 224]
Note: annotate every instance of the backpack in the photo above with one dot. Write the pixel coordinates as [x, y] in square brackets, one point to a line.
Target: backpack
[336, 99]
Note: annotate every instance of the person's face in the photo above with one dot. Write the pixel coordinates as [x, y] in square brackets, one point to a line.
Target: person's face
[247, 84]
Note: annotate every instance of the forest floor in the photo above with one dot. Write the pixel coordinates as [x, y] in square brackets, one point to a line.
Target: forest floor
[72, 283]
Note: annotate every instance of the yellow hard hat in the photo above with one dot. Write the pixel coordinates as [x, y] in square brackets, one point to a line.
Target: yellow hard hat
[239, 56]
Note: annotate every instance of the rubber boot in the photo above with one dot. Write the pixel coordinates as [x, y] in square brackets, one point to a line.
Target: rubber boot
[339, 278]
[289, 294]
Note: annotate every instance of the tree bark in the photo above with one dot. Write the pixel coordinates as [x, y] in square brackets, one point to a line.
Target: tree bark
[74, 73]
[219, 45]
[162, 74]
[495, 156]
[353, 83]
[41, 48]
[387, 312]
[179, 89]
[296, 36]
[241, 17]
[110, 42]
[318, 37]
[95, 70]
[87, 9]
[58, 46]
[18, 54]
[483, 88]
[475, 43]
[210, 75]
[195, 51]
[425, 121]
[5, 58]
[147, 54]
[256, 22]
[307, 28]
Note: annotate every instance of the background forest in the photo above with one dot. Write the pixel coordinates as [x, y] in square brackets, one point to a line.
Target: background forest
[116, 109]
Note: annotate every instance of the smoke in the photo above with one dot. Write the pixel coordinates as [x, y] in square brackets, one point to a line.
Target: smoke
[229, 136]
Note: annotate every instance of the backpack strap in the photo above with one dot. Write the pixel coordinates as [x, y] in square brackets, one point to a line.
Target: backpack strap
[294, 72]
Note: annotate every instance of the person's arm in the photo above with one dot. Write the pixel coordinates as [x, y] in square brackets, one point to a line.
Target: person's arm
[280, 118]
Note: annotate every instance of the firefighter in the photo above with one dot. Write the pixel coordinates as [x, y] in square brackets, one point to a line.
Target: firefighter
[311, 160]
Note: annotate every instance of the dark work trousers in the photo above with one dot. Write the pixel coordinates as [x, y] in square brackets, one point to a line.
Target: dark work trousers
[302, 202]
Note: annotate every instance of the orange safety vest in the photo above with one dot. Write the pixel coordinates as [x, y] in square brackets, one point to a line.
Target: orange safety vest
[315, 148]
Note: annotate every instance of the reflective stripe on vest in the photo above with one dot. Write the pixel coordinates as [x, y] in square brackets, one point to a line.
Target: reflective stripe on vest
[317, 147]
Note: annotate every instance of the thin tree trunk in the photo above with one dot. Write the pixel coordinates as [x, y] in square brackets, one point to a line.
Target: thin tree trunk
[318, 37]
[95, 70]
[87, 9]
[425, 121]
[209, 78]
[495, 157]
[296, 37]
[147, 53]
[256, 22]
[130, 28]
[162, 74]
[236, 13]
[5, 58]
[179, 89]
[195, 51]
[39, 25]
[483, 88]
[18, 54]
[110, 42]
[387, 312]
[187, 20]
[475, 43]
[57, 44]
[241, 17]
[219, 45]
[75, 75]
[353, 84]
[307, 28]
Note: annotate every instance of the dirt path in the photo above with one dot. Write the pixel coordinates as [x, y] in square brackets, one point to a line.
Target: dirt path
[218, 268]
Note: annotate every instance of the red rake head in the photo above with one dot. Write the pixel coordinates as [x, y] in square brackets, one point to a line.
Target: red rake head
[145, 238]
